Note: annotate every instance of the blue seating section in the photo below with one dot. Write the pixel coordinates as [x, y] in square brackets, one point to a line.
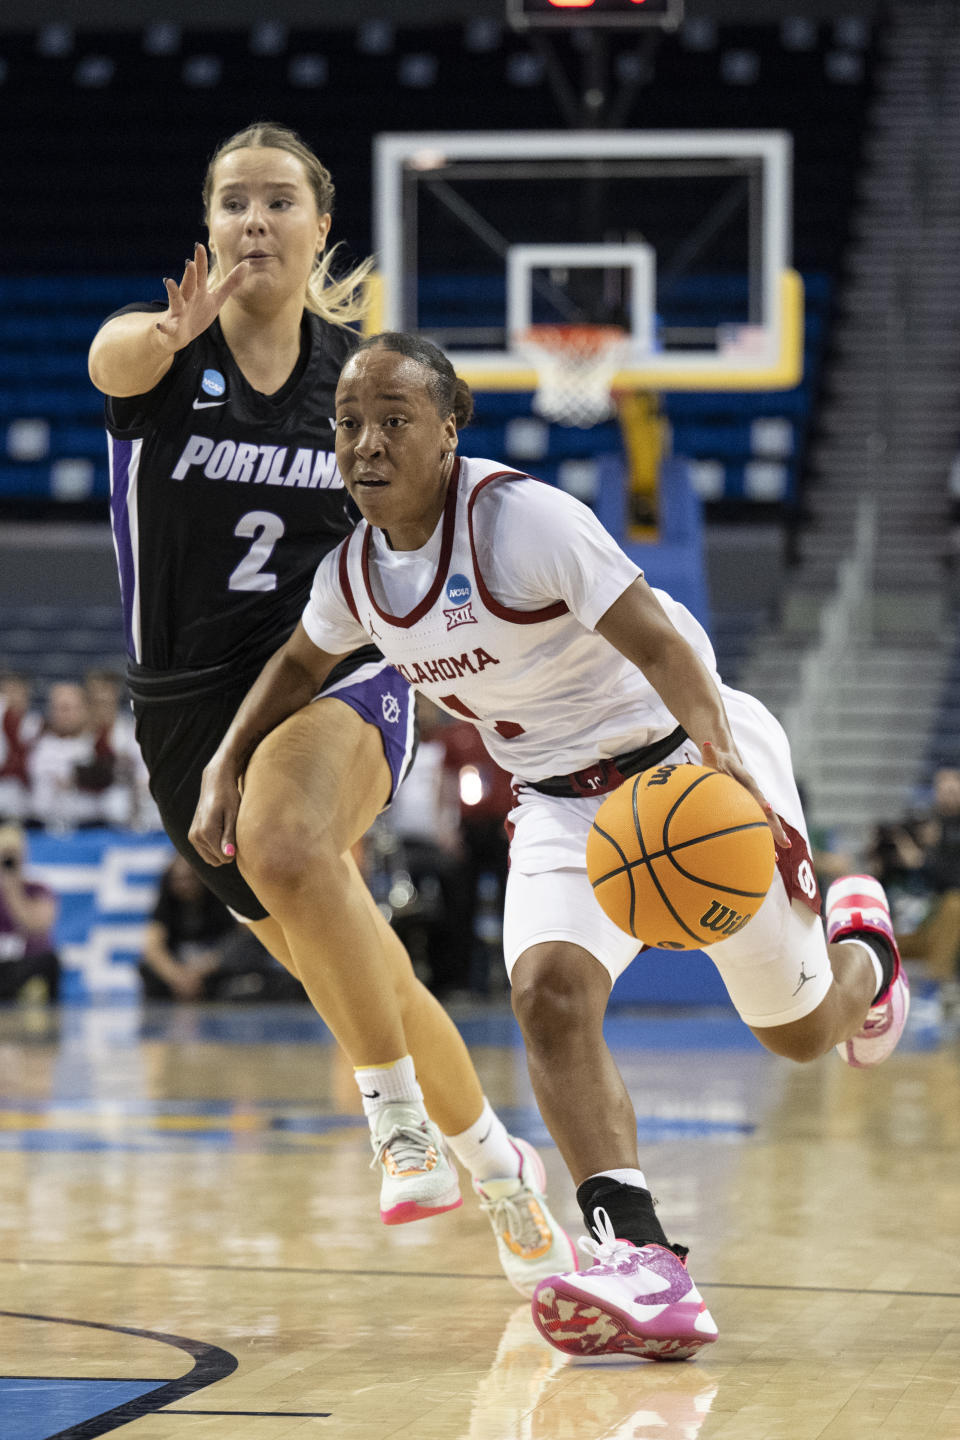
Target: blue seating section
[119, 125]
[48, 322]
[60, 642]
[46, 325]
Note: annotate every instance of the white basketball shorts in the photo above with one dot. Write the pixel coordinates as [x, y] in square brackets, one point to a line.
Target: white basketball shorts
[776, 970]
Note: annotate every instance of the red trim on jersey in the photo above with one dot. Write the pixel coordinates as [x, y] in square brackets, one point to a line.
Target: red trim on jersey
[443, 564]
[504, 612]
[345, 585]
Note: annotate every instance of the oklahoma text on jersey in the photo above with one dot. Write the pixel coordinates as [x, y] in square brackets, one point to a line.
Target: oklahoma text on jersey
[258, 464]
[447, 667]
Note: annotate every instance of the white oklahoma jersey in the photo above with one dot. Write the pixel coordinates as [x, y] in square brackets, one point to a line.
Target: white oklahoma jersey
[493, 620]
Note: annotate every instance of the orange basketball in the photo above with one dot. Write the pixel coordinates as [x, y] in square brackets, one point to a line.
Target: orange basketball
[680, 856]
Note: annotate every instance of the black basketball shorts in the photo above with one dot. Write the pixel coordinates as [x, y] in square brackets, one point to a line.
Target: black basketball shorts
[177, 738]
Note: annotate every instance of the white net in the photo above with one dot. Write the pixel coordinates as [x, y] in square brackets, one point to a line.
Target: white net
[575, 367]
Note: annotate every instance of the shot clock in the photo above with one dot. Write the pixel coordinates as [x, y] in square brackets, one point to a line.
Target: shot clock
[529, 14]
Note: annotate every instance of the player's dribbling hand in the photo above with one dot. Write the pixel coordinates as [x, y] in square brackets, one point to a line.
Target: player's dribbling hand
[729, 763]
[192, 306]
[213, 833]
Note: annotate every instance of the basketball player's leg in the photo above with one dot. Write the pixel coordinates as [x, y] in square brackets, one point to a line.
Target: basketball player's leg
[799, 995]
[563, 956]
[178, 747]
[328, 774]
[638, 1299]
[284, 789]
[451, 1088]
[312, 788]
[559, 995]
[839, 1015]
[270, 934]
[508, 1175]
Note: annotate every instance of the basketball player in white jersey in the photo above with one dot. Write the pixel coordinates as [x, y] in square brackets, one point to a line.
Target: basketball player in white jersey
[505, 601]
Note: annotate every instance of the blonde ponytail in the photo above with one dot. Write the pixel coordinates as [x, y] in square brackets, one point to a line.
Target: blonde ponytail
[344, 299]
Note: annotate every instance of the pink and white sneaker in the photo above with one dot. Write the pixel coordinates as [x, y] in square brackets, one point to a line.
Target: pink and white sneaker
[856, 905]
[631, 1301]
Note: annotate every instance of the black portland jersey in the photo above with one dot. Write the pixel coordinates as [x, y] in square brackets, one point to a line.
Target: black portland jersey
[224, 501]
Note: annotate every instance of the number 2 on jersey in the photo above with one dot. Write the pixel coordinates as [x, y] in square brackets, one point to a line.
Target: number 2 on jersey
[265, 529]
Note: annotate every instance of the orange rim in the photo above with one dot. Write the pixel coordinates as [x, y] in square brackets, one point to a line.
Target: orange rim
[574, 339]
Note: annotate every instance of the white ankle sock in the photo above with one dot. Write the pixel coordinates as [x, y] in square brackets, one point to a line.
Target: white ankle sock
[625, 1177]
[485, 1148]
[865, 945]
[386, 1084]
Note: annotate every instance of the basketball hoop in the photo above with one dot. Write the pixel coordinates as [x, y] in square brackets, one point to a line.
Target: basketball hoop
[575, 367]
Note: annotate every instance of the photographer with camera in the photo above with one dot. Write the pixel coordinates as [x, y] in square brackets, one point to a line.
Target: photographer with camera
[28, 960]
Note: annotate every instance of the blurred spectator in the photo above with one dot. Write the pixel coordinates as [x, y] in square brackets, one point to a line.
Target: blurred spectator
[898, 855]
[71, 785]
[195, 950]
[19, 728]
[430, 913]
[484, 799]
[115, 746]
[444, 873]
[29, 966]
[183, 947]
[930, 853]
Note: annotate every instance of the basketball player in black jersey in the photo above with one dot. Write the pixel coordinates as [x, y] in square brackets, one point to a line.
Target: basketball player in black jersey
[224, 496]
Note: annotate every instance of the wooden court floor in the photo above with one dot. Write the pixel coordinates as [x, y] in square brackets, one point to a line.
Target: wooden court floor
[190, 1247]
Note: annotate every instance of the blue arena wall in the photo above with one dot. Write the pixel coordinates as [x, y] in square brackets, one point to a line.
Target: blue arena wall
[671, 977]
[106, 881]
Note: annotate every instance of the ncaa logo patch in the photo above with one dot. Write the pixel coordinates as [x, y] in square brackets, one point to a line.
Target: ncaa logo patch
[459, 591]
[213, 383]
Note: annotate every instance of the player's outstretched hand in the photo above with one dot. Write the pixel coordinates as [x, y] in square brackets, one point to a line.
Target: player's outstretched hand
[729, 762]
[192, 305]
[213, 833]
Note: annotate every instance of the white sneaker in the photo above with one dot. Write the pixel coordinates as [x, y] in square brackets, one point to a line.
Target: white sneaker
[418, 1180]
[631, 1301]
[530, 1243]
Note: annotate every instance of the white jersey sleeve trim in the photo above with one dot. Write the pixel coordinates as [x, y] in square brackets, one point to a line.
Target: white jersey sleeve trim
[327, 618]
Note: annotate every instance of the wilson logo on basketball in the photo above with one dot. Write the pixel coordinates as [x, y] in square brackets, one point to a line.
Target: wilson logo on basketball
[722, 920]
[680, 856]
